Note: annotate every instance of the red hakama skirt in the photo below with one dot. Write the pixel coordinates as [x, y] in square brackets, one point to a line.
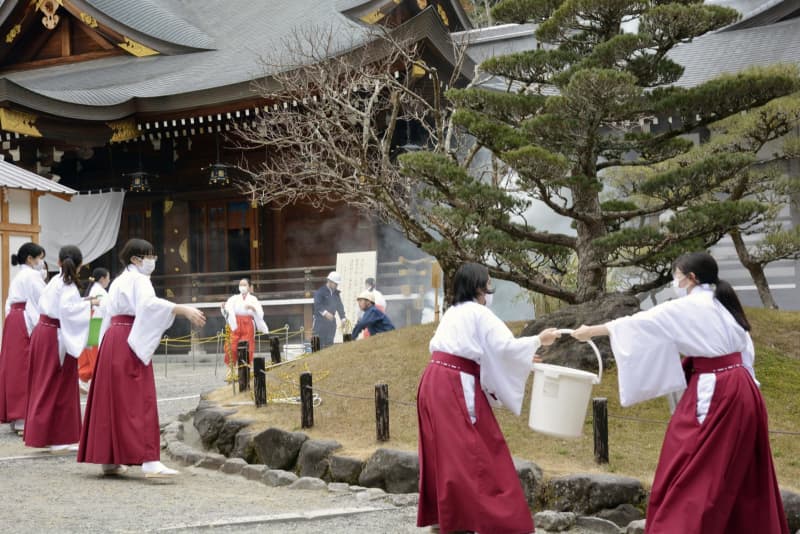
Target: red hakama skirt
[718, 476]
[14, 365]
[54, 405]
[245, 331]
[467, 479]
[121, 419]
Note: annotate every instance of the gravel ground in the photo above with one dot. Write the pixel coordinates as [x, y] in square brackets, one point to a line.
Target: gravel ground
[46, 493]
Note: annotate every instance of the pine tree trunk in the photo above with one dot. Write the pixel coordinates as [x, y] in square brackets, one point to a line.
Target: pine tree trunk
[755, 269]
[591, 271]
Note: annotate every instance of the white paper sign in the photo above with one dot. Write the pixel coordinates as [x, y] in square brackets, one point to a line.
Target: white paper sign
[354, 267]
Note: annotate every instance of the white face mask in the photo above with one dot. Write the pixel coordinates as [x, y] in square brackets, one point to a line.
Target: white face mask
[679, 291]
[243, 290]
[489, 298]
[147, 266]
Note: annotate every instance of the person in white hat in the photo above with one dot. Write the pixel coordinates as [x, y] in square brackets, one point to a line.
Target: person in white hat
[327, 302]
[372, 320]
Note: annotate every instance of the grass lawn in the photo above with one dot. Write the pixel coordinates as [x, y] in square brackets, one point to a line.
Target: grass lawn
[345, 375]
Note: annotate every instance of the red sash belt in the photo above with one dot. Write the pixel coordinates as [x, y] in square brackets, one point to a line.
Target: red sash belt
[717, 364]
[46, 320]
[122, 320]
[18, 306]
[456, 362]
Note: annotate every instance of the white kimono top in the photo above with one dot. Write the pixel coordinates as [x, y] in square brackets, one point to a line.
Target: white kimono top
[132, 293]
[647, 346]
[98, 291]
[237, 305]
[470, 330]
[27, 286]
[64, 302]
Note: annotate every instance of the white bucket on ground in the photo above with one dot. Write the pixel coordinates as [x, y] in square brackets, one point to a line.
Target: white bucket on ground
[560, 396]
[292, 351]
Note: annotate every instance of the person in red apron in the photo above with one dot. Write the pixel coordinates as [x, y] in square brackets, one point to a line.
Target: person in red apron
[467, 478]
[244, 315]
[98, 283]
[715, 473]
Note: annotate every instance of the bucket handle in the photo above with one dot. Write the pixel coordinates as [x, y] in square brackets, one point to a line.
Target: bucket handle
[596, 352]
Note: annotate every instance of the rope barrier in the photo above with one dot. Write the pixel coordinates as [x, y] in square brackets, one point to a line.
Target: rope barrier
[315, 389]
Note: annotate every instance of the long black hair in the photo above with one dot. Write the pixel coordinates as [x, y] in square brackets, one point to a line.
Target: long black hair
[97, 274]
[28, 250]
[706, 271]
[71, 258]
[470, 281]
[135, 247]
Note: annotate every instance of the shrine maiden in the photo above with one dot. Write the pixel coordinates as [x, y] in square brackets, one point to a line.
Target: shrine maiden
[244, 315]
[715, 472]
[22, 314]
[121, 421]
[54, 411]
[467, 477]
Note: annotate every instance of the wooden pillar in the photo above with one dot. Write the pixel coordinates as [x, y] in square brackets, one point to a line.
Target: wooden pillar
[275, 349]
[243, 361]
[382, 412]
[259, 381]
[306, 401]
[600, 426]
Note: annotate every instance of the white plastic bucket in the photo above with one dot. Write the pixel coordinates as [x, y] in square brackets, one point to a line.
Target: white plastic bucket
[560, 396]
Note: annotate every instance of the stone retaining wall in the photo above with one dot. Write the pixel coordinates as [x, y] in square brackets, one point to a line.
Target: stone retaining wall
[580, 502]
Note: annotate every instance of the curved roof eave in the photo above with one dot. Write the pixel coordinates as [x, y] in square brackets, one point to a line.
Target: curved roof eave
[153, 26]
[426, 25]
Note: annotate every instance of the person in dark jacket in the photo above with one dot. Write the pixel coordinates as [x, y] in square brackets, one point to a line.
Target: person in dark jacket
[328, 301]
[373, 320]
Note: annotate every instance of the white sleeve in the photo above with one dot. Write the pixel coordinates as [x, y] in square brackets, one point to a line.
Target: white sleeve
[647, 357]
[258, 316]
[74, 315]
[230, 313]
[153, 316]
[507, 362]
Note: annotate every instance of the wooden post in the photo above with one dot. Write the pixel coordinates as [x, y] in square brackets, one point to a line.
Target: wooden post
[382, 411]
[306, 401]
[275, 350]
[600, 425]
[314, 343]
[259, 381]
[243, 362]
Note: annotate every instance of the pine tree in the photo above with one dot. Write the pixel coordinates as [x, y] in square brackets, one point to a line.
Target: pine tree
[583, 130]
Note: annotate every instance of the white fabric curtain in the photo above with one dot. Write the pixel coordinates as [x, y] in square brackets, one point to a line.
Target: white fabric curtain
[89, 221]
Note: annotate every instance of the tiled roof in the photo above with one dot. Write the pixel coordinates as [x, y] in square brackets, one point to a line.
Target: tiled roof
[168, 21]
[15, 177]
[722, 52]
[243, 32]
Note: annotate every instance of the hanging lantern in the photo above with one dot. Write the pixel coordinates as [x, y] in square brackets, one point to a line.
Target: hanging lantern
[139, 181]
[218, 174]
